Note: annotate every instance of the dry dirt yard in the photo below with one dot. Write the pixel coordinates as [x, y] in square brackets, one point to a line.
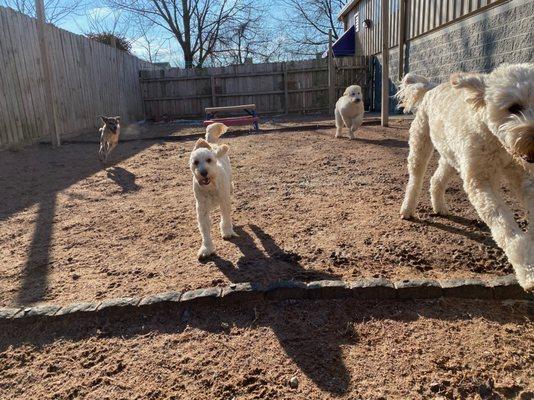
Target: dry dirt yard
[335, 349]
[307, 207]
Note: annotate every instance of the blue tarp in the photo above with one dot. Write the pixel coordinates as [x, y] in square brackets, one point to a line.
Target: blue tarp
[345, 46]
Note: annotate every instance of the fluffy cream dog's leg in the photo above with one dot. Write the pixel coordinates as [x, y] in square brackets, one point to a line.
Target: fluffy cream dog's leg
[204, 226]
[438, 185]
[421, 149]
[355, 125]
[227, 229]
[339, 123]
[493, 210]
[523, 187]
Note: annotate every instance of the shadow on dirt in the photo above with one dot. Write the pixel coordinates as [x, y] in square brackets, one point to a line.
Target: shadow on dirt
[36, 175]
[311, 333]
[264, 261]
[123, 178]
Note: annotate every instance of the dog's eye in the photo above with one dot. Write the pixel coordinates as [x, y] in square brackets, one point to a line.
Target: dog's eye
[196, 162]
[515, 109]
[208, 160]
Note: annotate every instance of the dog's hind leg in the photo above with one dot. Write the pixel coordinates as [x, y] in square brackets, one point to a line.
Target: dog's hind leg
[204, 226]
[438, 185]
[421, 149]
[493, 210]
[339, 123]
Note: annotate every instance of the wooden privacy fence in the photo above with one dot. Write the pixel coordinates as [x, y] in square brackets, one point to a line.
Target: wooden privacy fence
[89, 79]
[275, 88]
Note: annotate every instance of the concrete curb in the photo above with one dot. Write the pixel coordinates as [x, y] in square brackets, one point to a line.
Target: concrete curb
[500, 288]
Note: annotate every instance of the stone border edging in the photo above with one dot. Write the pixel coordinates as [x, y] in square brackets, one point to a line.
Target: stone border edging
[501, 288]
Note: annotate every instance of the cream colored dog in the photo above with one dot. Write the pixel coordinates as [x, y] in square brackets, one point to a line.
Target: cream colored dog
[349, 110]
[212, 185]
[483, 127]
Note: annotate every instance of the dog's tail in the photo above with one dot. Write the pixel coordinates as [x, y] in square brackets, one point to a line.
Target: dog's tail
[412, 89]
[215, 131]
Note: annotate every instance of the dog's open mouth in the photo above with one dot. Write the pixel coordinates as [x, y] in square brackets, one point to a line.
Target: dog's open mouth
[204, 181]
[528, 158]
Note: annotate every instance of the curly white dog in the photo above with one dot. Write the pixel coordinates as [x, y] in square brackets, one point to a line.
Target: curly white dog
[349, 111]
[212, 185]
[483, 128]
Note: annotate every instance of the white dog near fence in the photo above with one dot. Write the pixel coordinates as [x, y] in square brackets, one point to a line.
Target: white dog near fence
[212, 185]
[482, 126]
[349, 111]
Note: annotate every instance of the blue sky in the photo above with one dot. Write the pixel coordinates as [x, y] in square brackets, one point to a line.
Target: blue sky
[96, 12]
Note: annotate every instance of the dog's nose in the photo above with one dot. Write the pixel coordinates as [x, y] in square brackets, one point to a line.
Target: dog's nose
[203, 172]
[358, 100]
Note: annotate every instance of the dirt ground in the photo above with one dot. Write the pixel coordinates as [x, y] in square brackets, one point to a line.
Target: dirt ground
[335, 349]
[307, 206]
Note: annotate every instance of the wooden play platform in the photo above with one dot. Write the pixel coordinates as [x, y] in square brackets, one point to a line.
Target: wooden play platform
[250, 118]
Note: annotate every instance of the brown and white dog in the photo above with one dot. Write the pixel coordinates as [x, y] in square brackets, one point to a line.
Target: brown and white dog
[109, 136]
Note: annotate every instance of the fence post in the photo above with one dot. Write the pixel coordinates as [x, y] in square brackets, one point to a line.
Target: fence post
[48, 75]
[212, 84]
[331, 75]
[402, 37]
[286, 93]
[385, 63]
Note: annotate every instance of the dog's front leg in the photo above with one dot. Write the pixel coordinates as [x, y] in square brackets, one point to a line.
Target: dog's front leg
[517, 245]
[102, 150]
[111, 147]
[227, 229]
[339, 123]
[355, 125]
[204, 226]
[528, 196]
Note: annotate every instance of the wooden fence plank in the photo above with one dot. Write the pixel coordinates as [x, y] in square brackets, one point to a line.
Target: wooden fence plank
[92, 79]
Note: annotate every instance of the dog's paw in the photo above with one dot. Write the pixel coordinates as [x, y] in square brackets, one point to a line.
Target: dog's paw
[205, 252]
[229, 235]
[406, 215]
[352, 137]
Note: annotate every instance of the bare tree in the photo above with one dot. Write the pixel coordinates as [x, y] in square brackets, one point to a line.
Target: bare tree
[197, 25]
[248, 39]
[310, 22]
[149, 40]
[106, 20]
[56, 10]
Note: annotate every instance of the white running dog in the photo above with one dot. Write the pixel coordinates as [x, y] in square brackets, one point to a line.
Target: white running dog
[349, 111]
[212, 185]
[482, 125]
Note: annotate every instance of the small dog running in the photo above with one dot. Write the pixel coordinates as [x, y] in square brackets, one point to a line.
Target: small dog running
[212, 185]
[109, 136]
[482, 126]
[349, 111]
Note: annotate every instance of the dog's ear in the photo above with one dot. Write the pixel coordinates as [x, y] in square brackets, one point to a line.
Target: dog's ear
[221, 151]
[474, 85]
[346, 92]
[201, 143]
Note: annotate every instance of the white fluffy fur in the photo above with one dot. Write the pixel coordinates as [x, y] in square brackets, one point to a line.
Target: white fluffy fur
[483, 127]
[212, 185]
[349, 111]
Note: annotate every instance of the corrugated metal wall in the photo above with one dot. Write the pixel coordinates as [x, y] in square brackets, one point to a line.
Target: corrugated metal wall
[422, 16]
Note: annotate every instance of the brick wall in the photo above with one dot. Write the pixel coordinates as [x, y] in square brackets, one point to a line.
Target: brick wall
[479, 43]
